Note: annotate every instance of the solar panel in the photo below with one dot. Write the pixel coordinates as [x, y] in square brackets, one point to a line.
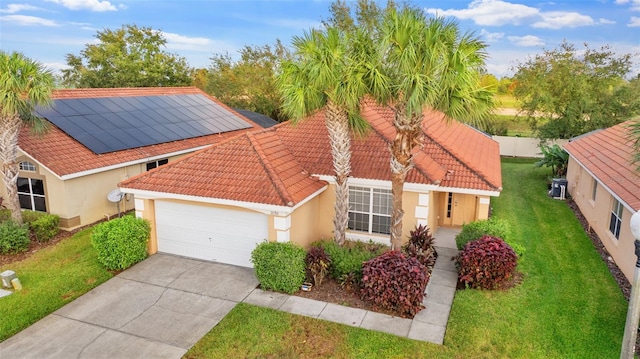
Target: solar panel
[107, 124]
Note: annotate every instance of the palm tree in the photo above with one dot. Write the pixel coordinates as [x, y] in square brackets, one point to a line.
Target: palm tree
[323, 76]
[428, 64]
[24, 84]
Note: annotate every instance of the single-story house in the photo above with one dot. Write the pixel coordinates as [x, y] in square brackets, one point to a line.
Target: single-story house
[606, 187]
[277, 184]
[99, 137]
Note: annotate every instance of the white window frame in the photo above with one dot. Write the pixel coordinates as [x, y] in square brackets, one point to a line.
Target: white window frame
[27, 166]
[371, 212]
[616, 218]
[33, 195]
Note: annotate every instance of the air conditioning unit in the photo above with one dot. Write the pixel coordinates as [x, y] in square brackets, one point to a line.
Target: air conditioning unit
[559, 188]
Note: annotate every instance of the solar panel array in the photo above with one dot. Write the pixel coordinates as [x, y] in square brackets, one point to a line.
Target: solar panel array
[118, 123]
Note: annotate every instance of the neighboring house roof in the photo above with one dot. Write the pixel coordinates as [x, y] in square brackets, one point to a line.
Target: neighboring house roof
[65, 156]
[262, 120]
[277, 165]
[607, 155]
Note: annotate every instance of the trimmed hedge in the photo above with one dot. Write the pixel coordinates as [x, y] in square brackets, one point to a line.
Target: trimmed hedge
[45, 227]
[279, 266]
[121, 242]
[14, 238]
[475, 230]
[346, 260]
[395, 281]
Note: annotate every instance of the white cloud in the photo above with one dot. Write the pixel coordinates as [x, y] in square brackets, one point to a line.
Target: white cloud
[24, 20]
[527, 40]
[14, 8]
[491, 36]
[92, 5]
[634, 22]
[297, 24]
[490, 12]
[196, 44]
[561, 19]
[604, 21]
[634, 4]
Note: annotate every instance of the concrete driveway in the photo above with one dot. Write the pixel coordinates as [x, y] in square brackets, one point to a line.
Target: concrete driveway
[158, 308]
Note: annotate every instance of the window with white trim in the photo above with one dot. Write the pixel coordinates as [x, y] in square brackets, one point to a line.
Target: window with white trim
[31, 194]
[370, 210]
[153, 164]
[616, 218]
[27, 166]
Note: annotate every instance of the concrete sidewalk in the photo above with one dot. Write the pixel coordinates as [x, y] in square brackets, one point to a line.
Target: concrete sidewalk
[163, 305]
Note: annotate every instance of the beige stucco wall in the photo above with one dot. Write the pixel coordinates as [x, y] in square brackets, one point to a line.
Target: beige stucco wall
[83, 200]
[598, 214]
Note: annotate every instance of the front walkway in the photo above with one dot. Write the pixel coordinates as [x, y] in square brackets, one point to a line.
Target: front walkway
[162, 306]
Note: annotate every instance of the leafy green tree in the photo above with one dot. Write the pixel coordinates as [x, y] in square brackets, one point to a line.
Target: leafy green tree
[249, 82]
[130, 56]
[566, 92]
[324, 75]
[505, 86]
[634, 135]
[24, 84]
[425, 64]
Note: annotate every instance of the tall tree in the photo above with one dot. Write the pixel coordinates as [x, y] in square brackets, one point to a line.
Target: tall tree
[634, 135]
[130, 56]
[426, 64]
[567, 92]
[249, 82]
[323, 76]
[24, 84]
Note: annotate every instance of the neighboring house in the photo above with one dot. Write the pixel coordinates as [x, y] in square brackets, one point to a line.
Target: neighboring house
[277, 184]
[99, 137]
[606, 188]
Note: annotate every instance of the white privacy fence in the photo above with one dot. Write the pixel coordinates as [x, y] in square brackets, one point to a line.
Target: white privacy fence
[522, 146]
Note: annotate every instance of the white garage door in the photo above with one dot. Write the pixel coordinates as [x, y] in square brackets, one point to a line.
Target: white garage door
[213, 234]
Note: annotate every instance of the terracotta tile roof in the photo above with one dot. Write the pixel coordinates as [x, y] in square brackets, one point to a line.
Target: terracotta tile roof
[275, 165]
[607, 154]
[65, 156]
[252, 167]
[453, 155]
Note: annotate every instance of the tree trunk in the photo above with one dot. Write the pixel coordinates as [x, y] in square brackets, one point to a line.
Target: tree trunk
[8, 154]
[407, 137]
[340, 140]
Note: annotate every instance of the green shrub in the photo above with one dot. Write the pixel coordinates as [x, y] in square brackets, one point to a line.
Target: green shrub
[395, 281]
[279, 266]
[5, 215]
[121, 242]
[346, 260]
[493, 227]
[486, 263]
[29, 216]
[45, 227]
[14, 238]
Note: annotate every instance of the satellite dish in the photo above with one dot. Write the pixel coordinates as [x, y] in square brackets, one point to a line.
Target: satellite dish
[115, 196]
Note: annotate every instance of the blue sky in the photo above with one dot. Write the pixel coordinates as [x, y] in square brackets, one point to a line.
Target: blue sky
[47, 30]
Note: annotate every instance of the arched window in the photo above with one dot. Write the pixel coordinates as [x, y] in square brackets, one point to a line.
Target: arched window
[27, 166]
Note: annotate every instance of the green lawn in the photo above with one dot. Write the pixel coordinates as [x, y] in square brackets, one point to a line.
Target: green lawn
[506, 101]
[50, 278]
[568, 305]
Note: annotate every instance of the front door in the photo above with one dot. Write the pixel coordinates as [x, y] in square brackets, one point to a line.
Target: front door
[457, 209]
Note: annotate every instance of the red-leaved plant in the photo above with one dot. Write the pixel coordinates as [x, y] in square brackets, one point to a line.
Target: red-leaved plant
[318, 262]
[486, 263]
[420, 246]
[395, 281]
